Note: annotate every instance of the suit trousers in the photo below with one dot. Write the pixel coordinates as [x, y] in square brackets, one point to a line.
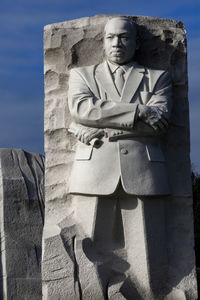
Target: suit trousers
[120, 247]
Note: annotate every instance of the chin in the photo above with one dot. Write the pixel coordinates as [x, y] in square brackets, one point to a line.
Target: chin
[117, 61]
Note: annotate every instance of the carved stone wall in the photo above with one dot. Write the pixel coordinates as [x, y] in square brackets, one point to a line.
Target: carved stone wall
[21, 224]
[79, 43]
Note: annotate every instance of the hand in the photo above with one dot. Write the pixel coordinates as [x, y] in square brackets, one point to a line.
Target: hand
[85, 134]
[154, 117]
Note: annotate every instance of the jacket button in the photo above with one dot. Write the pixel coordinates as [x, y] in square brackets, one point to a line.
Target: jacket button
[124, 151]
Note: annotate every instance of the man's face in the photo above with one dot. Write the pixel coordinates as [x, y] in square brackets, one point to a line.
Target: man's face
[119, 41]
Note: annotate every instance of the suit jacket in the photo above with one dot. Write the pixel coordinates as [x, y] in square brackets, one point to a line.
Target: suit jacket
[135, 155]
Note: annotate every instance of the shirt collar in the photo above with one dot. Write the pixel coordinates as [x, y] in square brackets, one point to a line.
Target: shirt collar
[125, 67]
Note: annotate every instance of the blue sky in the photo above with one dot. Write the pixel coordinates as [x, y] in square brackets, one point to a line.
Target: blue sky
[21, 59]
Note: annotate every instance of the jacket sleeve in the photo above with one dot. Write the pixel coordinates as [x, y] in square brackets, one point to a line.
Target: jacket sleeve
[161, 98]
[89, 110]
[162, 94]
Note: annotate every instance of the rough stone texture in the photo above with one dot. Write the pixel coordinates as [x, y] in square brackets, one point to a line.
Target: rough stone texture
[79, 43]
[21, 223]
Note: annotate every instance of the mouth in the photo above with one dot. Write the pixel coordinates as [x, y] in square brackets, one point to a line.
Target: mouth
[117, 52]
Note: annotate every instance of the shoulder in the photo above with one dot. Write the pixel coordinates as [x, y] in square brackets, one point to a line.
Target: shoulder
[157, 73]
[84, 74]
[153, 71]
[83, 71]
[159, 76]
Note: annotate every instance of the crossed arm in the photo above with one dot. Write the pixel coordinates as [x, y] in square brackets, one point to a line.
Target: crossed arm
[91, 114]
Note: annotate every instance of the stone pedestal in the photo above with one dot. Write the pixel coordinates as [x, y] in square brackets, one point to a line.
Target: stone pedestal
[21, 223]
[162, 230]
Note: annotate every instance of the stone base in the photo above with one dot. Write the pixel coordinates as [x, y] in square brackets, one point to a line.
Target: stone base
[128, 249]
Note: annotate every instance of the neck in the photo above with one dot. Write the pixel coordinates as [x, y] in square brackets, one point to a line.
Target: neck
[116, 64]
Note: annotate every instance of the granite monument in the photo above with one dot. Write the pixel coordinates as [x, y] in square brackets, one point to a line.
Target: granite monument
[118, 221]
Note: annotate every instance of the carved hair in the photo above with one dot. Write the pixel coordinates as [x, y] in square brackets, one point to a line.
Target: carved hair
[127, 19]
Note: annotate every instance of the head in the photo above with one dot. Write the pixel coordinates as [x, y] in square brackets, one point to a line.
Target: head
[120, 40]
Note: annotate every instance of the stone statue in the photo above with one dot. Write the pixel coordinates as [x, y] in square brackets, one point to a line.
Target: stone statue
[118, 202]
[127, 107]
[120, 112]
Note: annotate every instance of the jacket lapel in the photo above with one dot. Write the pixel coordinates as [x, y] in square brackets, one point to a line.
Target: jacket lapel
[104, 80]
[132, 83]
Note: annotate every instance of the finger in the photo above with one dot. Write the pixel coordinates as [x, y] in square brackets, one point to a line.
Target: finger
[155, 127]
[165, 122]
[86, 138]
[78, 135]
[164, 118]
[101, 132]
[95, 134]
[89, 139]
[82, 139]
[160, 125]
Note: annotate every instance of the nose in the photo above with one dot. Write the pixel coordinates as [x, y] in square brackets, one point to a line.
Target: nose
[116, 42]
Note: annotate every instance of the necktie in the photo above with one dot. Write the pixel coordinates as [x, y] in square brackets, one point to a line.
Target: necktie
[119, 79]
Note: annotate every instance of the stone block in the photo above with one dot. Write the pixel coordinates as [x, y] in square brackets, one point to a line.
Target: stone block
[21, 223]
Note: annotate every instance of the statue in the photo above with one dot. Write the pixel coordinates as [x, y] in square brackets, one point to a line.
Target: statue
[127, 107]
[120, 112]
[118, 202]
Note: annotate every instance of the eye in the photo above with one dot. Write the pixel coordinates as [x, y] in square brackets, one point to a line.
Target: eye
[109, 37]
[125, 38]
